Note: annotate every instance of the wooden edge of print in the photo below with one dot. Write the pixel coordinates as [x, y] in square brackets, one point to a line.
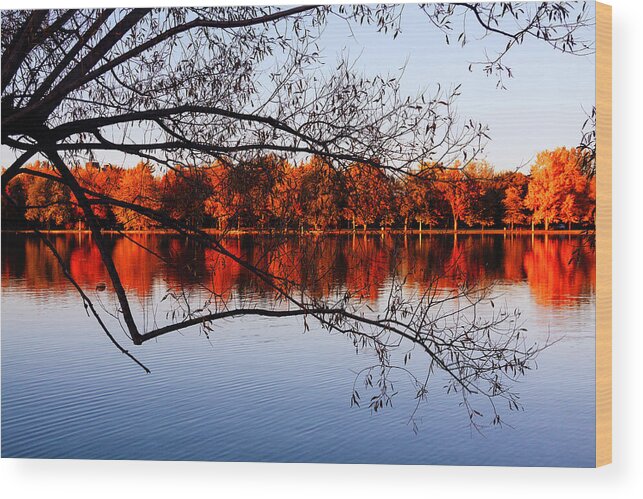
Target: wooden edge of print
[603, 234]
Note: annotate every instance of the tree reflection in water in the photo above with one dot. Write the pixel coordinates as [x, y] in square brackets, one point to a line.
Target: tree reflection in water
[393, 295]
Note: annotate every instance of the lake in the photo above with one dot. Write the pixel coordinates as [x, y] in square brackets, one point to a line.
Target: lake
[271, 389]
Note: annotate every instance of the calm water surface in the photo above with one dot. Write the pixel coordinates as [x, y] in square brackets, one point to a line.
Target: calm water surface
[262, 389]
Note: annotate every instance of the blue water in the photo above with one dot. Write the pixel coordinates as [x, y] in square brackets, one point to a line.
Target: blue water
[265, 390]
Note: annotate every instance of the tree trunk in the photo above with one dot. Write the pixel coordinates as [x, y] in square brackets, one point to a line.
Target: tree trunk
[546, 223]
[455, 223]
[420, 226]
[406, 221]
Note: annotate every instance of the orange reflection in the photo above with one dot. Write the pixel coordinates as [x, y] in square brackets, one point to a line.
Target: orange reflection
[560, 270]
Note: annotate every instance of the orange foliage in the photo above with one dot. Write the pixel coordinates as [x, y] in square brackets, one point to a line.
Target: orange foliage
[516, 212]
[558, 190]
[455, 189]
[138, 186]
[370, 196]
[268, 192]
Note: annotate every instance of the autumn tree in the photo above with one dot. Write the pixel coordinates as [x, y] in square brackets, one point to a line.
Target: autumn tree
[320, 196]
[516, 213]
[287, 206]
[48, 202]
[369, 194]
[137, 186]
[13, 215]
[454, 187]
[480, 184]
[409, 199]
[218, 205]
[104, 180]
[590, 214]
[183, 193]
[251, 185]
[418, 198]
[558, 191]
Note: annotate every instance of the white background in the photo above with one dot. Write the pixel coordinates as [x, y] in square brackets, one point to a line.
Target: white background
[103, 479]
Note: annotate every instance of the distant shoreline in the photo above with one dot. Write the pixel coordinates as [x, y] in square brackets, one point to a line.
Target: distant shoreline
[268, 232]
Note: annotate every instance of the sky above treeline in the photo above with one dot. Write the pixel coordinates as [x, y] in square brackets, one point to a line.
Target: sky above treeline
[543, 106]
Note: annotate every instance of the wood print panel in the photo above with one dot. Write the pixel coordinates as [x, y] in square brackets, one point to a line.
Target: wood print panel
[604, 235]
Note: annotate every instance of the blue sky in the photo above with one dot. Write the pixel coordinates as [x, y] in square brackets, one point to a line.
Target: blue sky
[543, 107]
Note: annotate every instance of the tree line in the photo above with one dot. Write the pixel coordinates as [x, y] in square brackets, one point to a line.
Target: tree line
[269, 192]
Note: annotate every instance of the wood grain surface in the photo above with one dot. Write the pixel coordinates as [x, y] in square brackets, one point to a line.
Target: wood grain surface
[603, 234]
